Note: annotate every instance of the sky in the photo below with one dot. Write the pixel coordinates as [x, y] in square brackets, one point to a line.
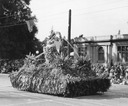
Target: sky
[89, 17]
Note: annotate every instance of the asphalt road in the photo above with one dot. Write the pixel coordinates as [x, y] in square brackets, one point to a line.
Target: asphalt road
[9, 96]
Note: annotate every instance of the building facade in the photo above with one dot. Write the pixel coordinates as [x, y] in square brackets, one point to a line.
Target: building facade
[108, 50]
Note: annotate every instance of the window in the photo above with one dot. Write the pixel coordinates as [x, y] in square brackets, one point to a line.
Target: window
[122, 53]
[101, 54]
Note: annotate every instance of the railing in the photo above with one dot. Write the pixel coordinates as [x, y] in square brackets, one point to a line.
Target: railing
[106, 37]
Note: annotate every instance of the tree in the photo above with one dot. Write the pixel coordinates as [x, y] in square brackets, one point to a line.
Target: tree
[16, 37]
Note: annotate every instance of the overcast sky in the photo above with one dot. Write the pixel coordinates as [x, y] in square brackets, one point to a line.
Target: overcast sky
[89, 17]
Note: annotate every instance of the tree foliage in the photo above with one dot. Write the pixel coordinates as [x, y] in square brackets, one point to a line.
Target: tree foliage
[15, 39]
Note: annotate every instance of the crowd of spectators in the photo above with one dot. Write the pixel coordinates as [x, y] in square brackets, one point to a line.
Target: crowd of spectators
[118, 74]
[8, 66]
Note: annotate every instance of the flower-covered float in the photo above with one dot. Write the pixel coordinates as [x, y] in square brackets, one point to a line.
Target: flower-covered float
[58, 74]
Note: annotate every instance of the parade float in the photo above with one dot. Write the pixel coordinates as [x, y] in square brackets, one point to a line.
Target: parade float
[55, 73]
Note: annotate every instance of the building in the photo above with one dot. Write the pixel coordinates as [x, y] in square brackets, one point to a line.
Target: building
[112, 49]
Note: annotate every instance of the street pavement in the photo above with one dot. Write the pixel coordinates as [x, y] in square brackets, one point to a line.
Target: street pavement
[117, 95]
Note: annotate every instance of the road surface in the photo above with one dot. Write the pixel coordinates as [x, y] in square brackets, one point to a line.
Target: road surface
[9, 96]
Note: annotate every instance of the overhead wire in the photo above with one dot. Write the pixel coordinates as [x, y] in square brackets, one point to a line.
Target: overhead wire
[11, 25]
[53, 15]
[67, 11]
[63, 2]
[56, 14]
[75, 15]
[44, 19]
[60, 13]
[74, 9]
[93, 12]
[99, 5]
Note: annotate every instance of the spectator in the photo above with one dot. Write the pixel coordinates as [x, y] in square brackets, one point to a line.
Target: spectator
[125, 81]
[111, 74]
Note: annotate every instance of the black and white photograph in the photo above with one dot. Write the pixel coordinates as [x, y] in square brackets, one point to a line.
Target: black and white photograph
[63, 52]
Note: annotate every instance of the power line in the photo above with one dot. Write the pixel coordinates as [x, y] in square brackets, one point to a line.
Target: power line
[99, 5]
[58, 4]
[75, 9]
[93, 12]
[56, 14]
[65, 11]
[25, 23]
[74, 15]
[48, 16]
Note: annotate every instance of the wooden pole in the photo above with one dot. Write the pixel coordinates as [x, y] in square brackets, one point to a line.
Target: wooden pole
[69, 31]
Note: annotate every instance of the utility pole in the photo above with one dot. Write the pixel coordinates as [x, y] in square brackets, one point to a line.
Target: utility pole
[111, 45]
[69, 31]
